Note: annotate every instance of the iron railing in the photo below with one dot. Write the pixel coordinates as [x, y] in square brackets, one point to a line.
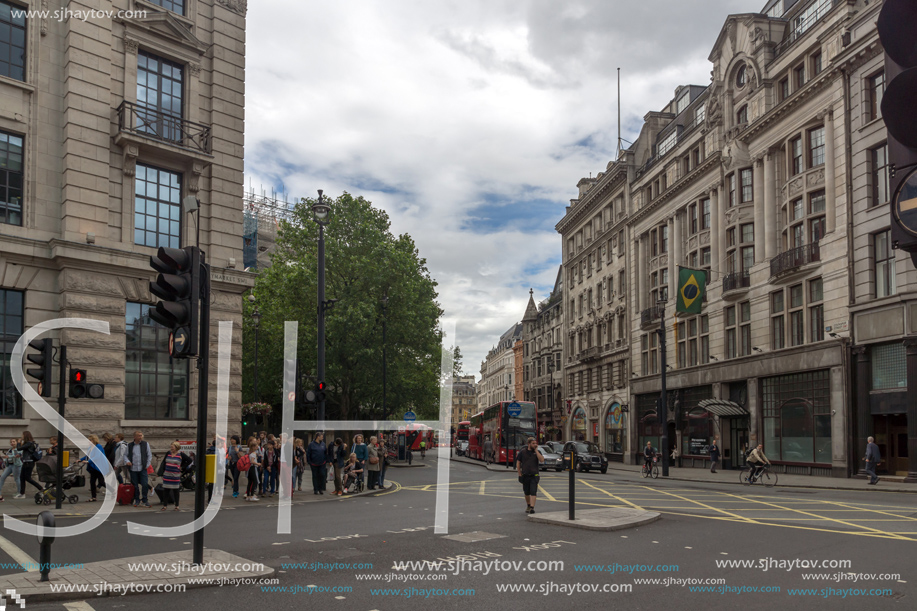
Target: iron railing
[801, 24]
[159, 125]
[738, 280]
[795, 258]
[651, 315]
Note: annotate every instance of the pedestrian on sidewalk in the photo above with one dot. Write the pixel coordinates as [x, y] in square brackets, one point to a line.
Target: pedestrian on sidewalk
[714, 456]
[120, 463]
[373, 463]
[872, 460]
[110, 446]
[30, 453]
[488, 450]
[253, 458]
[271, 467]
[299, 459]
[528, 462]
[383, 461]
[339, 456]
[353, 470]
[362, 452]
[95, 473]
[139, 459]
[52, 446]
[235, 452]
[13, 466]
[170, 472]
[317, 456]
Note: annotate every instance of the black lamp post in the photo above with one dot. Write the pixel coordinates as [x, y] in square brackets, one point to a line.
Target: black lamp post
[321, 212]
[384, 359]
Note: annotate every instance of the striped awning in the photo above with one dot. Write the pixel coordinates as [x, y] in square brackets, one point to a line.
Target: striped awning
[722, 408]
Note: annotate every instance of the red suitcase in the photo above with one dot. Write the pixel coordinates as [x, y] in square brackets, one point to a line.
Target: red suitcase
[125, 494]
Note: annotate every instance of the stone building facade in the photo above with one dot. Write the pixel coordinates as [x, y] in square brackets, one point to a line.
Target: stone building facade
[107, 125]
[595, 234]
[543, 339]
[498, 370]
[464, 399]
[773, 181]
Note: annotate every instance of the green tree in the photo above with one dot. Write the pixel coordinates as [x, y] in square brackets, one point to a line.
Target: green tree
[456, 361]
[364, 262]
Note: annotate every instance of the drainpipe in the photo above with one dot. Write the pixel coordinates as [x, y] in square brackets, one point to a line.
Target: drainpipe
[849, 415]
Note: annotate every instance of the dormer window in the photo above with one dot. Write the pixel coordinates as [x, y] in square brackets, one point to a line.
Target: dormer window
[741, 77]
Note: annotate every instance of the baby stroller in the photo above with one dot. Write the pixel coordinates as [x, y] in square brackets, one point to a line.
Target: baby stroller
[46, 468]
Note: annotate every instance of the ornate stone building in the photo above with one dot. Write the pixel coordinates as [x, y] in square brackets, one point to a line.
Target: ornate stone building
[498, 370]
[773, 180]
[464, 399]
[596, 370]
[543, 338]
[108, 126]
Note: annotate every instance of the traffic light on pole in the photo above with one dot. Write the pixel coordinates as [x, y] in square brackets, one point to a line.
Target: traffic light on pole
[179, 287]
[80, 388]
[896, 25]
[319, 392]
[43, 360]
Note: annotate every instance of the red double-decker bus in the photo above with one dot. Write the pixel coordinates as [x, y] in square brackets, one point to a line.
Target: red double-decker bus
[507, 434]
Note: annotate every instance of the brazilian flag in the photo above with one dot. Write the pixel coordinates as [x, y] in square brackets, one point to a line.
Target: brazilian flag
[691, 286]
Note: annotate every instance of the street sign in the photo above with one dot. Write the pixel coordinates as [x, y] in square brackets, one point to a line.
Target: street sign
[514, 409]
[410, 416]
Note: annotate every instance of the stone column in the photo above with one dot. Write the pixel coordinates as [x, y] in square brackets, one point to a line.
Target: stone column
[758, 187]
[641, 276]
[770, 206]
[678, 243]
[861, 403]
[715, 232]
[673, 224]
[910, 347]
[830, 190]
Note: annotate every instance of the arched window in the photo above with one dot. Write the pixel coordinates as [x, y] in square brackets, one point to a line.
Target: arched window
[578, 427]
[614, 429]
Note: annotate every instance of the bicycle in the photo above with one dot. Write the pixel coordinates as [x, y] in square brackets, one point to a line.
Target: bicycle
[765, 477]
[651, 471]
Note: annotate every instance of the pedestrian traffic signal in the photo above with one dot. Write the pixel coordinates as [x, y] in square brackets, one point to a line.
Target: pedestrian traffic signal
[179, 286]
[319, 392]
[80, 388]
[43, 360]
[896, 25]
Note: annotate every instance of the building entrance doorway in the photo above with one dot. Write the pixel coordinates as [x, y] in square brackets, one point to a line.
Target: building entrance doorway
[890, 432]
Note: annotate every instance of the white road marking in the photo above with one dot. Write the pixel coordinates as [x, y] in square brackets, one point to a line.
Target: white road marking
[17, 554]
[78, 606]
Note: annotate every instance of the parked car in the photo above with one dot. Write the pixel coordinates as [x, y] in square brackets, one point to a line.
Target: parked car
[552, 460]
[588, 456]
[556, 446]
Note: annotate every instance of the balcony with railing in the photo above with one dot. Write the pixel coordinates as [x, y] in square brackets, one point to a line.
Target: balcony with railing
[736, 284]
[650, 317]
[589, 353]
[153, 123]
[794, 259]
[803, 21]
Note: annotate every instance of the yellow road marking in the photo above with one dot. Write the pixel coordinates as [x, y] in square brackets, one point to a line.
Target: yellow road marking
[634, 505]
[546, 493]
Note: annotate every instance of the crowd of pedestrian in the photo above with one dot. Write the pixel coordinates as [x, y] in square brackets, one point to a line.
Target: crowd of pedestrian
[258, 461]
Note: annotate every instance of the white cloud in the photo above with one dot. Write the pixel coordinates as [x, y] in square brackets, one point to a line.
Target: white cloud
[438, 111]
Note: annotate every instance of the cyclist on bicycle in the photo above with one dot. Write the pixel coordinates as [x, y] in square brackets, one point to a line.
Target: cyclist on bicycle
[423, 449]
[649, 453]
[756, 461]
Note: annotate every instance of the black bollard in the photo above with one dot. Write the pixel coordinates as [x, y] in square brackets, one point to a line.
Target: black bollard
[572, 495]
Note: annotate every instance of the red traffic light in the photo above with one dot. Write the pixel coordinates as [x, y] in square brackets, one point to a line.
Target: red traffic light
[78, 376]
[321, 386]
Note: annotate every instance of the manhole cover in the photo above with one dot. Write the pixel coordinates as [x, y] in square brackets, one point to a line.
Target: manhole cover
[474, 537]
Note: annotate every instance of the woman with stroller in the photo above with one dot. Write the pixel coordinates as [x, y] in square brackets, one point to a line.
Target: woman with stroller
[95, 474]
[13, 466]
[170, 472]
[29, 449]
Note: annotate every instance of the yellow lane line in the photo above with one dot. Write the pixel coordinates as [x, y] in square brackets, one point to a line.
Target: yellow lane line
[634, 505]
[481, 490]
[845, 523]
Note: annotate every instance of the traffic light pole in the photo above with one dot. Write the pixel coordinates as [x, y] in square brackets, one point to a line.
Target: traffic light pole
[61, 401]
[321, 316]
[203, 364]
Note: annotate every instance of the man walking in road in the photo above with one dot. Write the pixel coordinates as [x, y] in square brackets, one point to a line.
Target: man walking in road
[872, 460]
[714, 456]
[528, 462]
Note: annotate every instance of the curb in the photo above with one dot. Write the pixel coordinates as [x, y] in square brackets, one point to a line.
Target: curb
[647, 517]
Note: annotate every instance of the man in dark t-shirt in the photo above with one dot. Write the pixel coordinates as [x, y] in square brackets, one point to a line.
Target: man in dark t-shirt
[527, 467]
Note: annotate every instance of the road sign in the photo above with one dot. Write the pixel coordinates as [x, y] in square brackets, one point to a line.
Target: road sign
[514, 409]
[410, 416]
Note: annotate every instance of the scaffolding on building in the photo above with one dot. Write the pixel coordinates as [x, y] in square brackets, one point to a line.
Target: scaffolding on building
[262, 213]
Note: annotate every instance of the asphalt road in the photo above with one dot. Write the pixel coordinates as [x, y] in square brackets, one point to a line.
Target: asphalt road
[873, 532]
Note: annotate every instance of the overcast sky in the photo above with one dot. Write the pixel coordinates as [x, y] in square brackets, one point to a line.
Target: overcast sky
[468, 121]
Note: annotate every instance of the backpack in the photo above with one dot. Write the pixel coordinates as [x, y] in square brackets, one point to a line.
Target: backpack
[748, 452]
[244, 463]
[37, 453]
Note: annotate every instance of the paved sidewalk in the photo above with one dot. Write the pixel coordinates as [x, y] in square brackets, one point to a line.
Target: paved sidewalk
[118, 577]
[26, 508]
[688, 474]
